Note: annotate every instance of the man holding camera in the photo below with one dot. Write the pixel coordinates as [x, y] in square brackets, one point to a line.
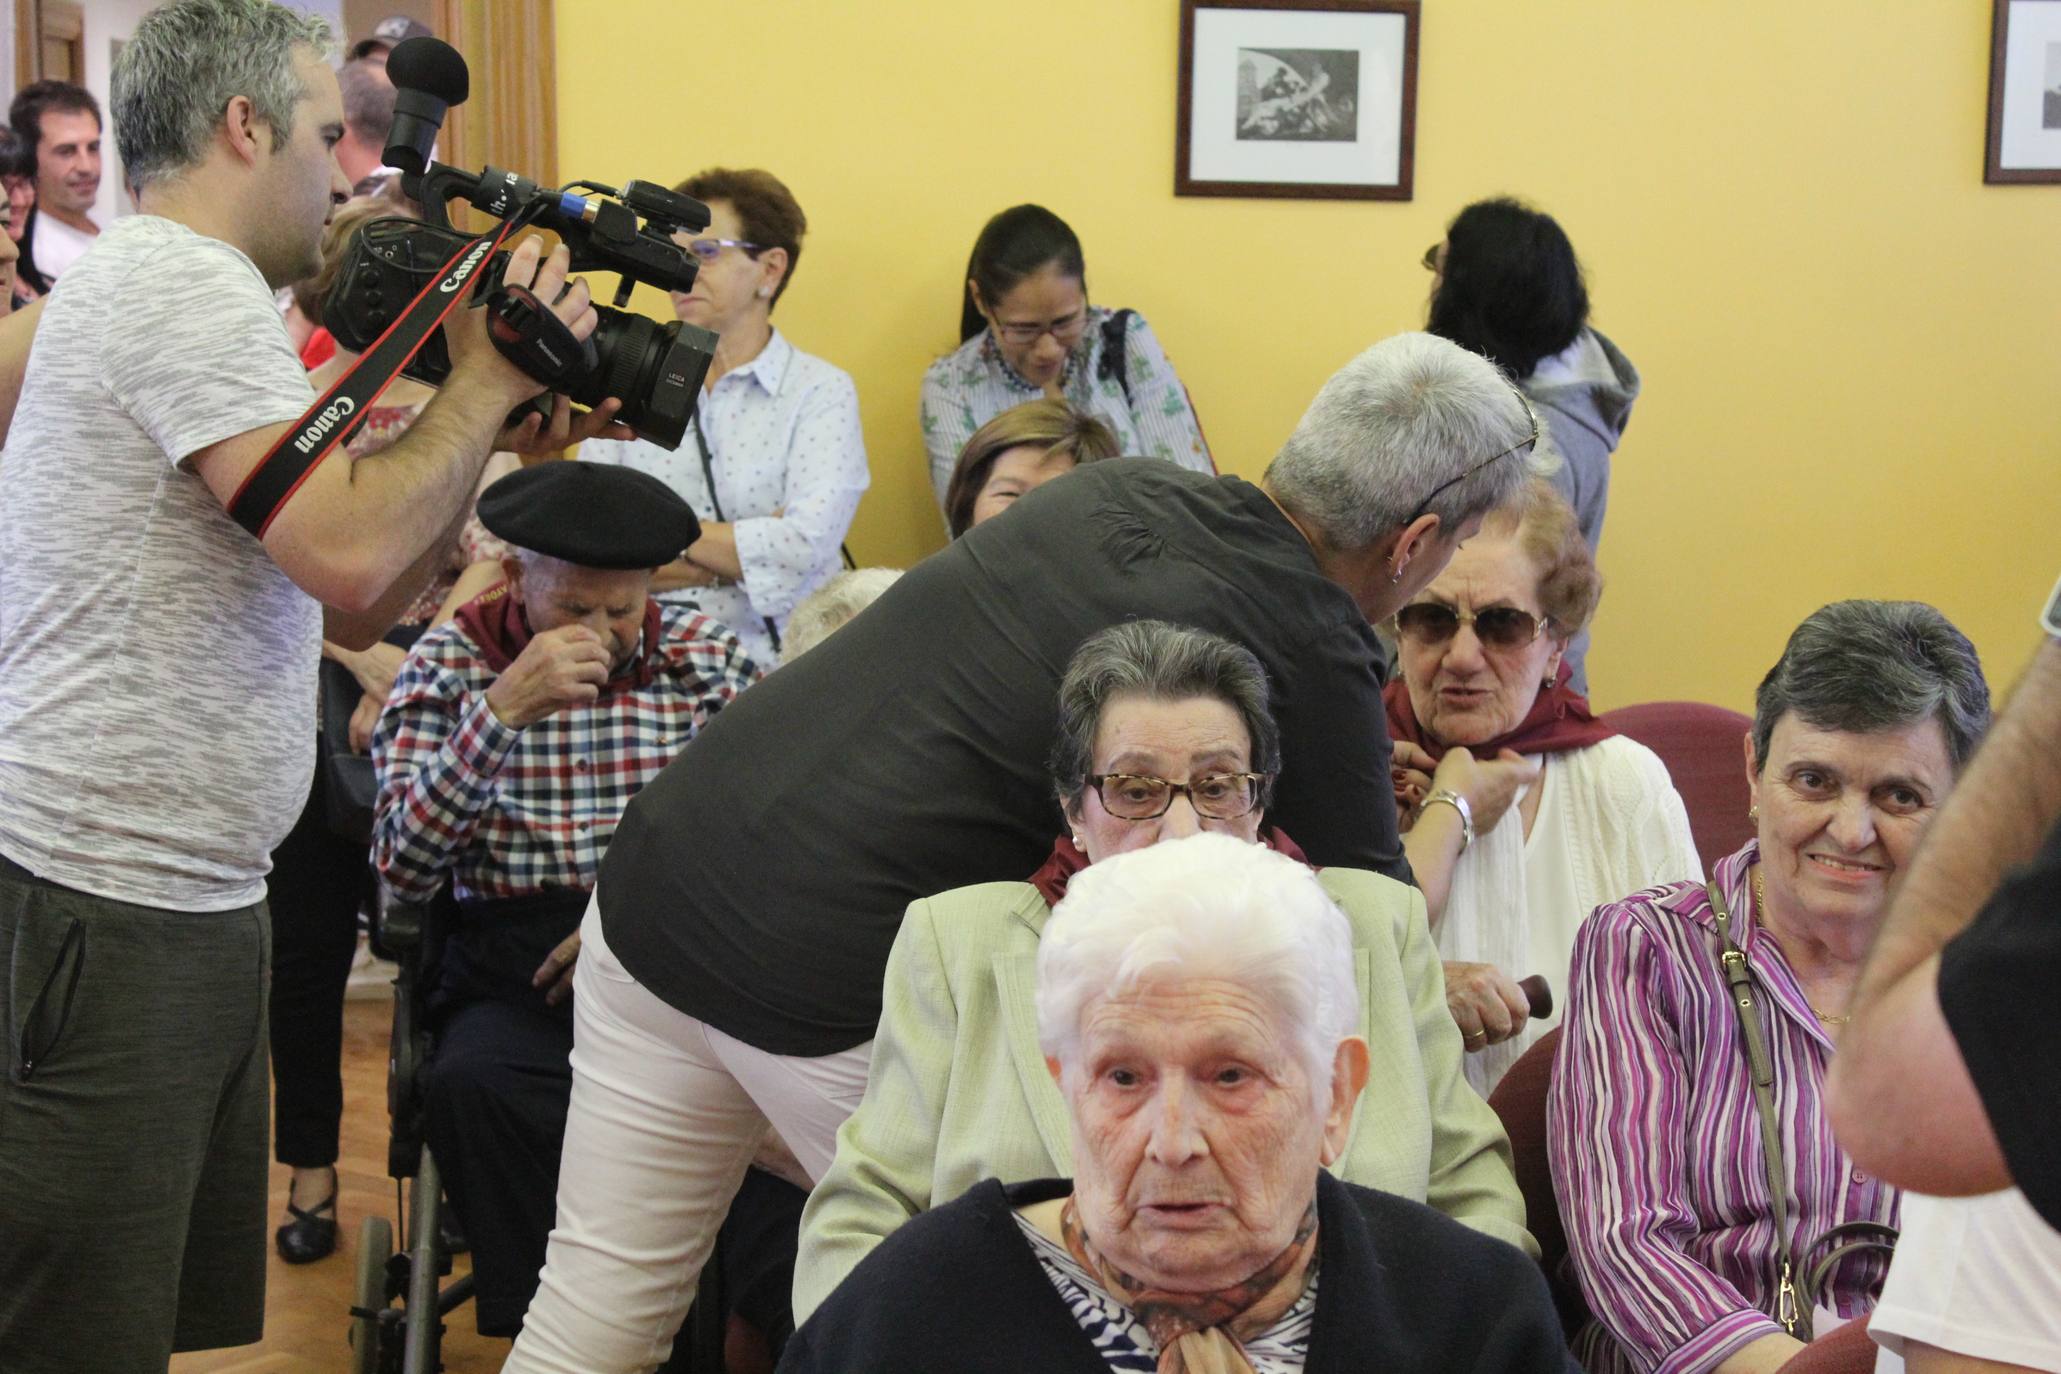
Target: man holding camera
[157, 681]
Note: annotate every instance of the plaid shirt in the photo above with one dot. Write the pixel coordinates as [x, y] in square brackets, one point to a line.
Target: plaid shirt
[510, 812]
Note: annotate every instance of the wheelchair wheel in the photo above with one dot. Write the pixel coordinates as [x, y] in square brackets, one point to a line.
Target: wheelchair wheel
[375, 1246]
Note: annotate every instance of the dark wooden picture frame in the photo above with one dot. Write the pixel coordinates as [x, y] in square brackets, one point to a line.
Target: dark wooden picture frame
[1994, 171]
[1186, 184]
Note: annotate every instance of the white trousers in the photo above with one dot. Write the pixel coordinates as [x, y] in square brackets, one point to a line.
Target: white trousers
[666, 1115]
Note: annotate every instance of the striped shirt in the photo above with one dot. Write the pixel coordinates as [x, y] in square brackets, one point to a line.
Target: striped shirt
[509, 812]
[1655, 1140]
[971, 385]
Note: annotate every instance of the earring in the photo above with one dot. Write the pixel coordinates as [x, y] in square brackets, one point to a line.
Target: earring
[1753, 813]
[1395, 579]
[765, 291]
[1077, 841]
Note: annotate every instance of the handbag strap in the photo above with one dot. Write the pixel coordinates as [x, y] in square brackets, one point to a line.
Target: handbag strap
[1838, 1244]
[1795, 1319]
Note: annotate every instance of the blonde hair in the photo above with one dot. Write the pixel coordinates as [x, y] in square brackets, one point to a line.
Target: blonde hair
[1053, 425]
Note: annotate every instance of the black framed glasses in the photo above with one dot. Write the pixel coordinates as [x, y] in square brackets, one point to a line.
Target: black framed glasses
[1526, 444]
[1431, 623]
[1066, 332]
[1215, 796]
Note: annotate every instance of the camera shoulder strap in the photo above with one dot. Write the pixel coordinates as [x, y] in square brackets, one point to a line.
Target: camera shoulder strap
[272, 483]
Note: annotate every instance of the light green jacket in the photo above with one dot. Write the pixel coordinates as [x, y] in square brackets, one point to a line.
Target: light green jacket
[958, 1090]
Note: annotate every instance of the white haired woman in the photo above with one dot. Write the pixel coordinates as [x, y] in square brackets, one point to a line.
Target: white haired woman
[1164, 732]
[1524, 813]
[1195, 1005]
[1692, 1155]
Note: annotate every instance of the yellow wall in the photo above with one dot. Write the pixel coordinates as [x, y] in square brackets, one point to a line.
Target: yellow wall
[1849, 343]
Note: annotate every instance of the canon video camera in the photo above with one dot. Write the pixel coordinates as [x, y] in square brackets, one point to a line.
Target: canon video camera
[656, 370]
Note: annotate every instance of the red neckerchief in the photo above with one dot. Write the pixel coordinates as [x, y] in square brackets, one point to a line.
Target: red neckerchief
[497, 625]
[1558, 720]
[1066, 860]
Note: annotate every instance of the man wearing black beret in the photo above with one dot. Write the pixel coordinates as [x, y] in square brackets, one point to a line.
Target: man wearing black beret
[514, 738]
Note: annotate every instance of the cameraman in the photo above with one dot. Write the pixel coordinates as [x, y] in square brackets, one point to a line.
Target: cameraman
[157, 677]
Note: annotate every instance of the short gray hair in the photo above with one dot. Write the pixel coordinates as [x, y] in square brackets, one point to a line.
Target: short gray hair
[368, 99]
[1205, 906]
[1865, 666]
[187, 60]
[1163, 662]
[1394, 425]
[832, 605]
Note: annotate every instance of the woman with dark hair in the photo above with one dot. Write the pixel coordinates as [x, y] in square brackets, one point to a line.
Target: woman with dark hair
[775, 463]
[1026, 330]
[1018, 451]
[18, 175]
[1506, 283]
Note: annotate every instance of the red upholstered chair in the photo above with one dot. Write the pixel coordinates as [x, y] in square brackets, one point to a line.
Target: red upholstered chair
[1849, 1350]
[1520, 1100]
[1703, 750]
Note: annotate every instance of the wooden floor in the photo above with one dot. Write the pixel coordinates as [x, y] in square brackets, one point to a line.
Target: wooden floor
[307, 1306]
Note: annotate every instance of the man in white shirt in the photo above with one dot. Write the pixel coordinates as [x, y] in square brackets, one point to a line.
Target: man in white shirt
[157, 680]
[61, 122]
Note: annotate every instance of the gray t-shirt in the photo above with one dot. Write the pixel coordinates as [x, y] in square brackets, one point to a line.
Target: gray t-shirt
[157, 669]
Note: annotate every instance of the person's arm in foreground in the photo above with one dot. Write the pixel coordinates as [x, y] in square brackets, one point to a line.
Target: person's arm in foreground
[887, 1149]
[1617, 1136]
[17, 332]
[356, 528]
[1902, 1101]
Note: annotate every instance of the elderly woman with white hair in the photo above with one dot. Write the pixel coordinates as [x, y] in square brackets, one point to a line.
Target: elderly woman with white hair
[1196, 1006]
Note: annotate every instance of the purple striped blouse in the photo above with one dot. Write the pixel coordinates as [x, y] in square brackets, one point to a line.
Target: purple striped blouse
[1655, 1141]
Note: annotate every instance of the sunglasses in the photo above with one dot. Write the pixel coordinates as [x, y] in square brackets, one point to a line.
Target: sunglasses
[1427, 623]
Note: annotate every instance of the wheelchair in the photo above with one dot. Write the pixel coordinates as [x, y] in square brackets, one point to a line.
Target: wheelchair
[399, 1297]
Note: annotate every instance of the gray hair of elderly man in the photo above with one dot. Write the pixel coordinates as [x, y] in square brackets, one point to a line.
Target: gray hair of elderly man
[178, 72]
[1406, 428]
[832, 605]
[1207, 906]
[1864, 666]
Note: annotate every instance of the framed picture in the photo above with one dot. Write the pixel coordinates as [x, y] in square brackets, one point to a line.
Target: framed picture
[1297, 98]
[2025, 92]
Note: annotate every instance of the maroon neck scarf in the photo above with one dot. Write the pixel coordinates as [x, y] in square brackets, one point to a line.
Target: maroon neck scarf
[496, 623]
[1558, 720]
[1066, 860]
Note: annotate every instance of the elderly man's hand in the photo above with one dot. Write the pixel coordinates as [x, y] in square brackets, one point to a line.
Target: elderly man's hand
[365, 720]
[555, 974]
[558, 669]
[1486, 1003]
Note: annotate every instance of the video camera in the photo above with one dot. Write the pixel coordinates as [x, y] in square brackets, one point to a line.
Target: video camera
[655, 370]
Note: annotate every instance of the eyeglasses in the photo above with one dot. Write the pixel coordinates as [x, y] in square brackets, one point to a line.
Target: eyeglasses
[708, 250]
[1428, 624]
[1216, 796]
[1531, 443]
[1067, 331]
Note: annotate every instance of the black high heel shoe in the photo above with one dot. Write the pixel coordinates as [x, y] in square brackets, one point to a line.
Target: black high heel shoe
[310, 1236]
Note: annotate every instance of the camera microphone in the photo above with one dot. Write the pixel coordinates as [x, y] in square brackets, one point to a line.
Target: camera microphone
[429, 77]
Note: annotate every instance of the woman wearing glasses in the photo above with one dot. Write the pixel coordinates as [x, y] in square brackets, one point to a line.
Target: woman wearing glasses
[1523, 812]
[1027, 331]
[775, 463]
[1164, 731]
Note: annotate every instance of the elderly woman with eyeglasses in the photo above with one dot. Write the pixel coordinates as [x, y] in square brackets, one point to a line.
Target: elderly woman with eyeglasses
[1164, 732]
[1708, 1203]
[1194, 1022]
[1524, 812]
[774, 464]
[1027, 331]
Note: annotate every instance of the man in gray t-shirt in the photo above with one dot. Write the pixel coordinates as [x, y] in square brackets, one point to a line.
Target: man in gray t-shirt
[157, 684]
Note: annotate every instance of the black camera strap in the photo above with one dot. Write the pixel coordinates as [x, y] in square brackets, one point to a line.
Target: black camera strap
[332, 418]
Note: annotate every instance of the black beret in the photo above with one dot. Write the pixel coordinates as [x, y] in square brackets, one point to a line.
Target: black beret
[597, 515]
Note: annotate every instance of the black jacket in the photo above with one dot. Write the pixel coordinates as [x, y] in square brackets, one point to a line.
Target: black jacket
[959, 1291]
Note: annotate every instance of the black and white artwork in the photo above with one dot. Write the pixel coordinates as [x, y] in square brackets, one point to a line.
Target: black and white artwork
[2024, 93]
[1309, 95]
[2050, 94]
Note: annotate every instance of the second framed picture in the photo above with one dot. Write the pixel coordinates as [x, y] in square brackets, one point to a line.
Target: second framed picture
[1297, 98]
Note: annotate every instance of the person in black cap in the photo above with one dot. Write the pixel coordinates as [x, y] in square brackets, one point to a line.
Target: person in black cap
[514, 738]
[393, 29]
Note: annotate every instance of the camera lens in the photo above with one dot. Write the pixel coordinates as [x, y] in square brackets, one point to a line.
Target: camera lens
[656, 370]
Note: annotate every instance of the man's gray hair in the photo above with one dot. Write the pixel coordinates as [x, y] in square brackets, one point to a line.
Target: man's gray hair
[1162, 662]
[187, 60]
[1866, 666]
[368, 100]
[1206, 906]
[832, 605]
[1393, 426]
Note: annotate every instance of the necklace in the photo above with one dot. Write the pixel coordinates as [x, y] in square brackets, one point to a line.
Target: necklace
[1760, 908]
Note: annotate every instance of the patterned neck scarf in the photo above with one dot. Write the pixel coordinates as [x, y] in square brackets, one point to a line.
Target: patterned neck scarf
[1204, 1333]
